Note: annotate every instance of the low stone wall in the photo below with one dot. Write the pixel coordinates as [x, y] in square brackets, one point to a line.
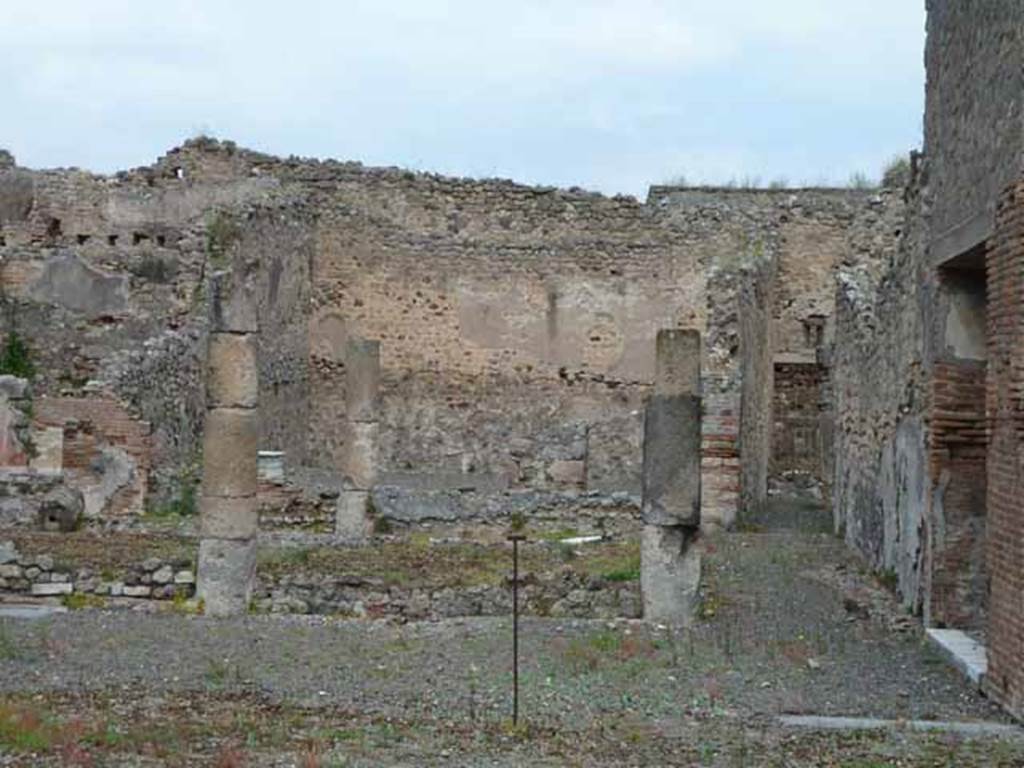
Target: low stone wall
[564, 594]
[44, 576]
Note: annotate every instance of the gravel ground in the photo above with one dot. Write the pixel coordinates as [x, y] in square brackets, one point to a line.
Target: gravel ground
[790, 625]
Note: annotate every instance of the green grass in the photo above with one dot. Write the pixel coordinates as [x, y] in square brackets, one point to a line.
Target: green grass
[77, 601]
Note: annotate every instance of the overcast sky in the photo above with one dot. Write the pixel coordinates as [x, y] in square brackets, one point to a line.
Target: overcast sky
[606, 94]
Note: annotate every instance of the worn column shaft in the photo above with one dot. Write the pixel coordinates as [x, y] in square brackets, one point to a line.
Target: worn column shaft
[362, 428]
[670, 561]
[228, 510]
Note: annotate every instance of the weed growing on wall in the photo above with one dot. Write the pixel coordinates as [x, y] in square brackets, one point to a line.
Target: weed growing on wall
[222, 231]
[16, 358]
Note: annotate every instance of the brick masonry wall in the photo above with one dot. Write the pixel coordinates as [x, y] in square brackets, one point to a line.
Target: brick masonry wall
[957, 448]
[1005, 486]
[106, 451]
[797, 412]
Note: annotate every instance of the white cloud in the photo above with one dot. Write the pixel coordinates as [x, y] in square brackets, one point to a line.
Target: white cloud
[567, 85]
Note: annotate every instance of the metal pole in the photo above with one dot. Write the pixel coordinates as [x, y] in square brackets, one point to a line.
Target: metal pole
[515, 539]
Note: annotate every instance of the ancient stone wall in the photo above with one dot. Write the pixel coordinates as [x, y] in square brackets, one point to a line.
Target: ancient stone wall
[1005, 482]
[974, 123]
[880, 477]
[516, 324]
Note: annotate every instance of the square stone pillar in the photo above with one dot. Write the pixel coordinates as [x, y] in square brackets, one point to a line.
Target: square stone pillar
[669, 554]
[360, 462]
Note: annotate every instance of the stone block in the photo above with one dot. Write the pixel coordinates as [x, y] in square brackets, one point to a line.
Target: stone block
[61, 509]
[228, 517]
[670, 572]
[671, 460]
[52, 588]
[8, 552]
[49, 449]
[351, 518]
[677, 362]
[184, 576]
[225, 576]
[230, 442]
[232, 375]
[137, 590]
[359, 461]
[163, 575]
[567, 472]
[362, 379]
[233, 301]
[15, 388]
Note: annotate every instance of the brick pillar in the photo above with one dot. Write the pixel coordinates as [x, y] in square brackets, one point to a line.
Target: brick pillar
[670, 560]
[1005, 466]
[228, 522]
[362, 429]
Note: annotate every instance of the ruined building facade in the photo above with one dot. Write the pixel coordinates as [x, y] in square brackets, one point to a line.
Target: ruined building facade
[871, 339]
[928, 355]
[516, 326]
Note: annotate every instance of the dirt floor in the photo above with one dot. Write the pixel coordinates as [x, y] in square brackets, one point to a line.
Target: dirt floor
[790, 624]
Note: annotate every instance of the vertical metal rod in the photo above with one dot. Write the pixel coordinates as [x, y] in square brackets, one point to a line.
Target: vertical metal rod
[515, 538]
[515, 632]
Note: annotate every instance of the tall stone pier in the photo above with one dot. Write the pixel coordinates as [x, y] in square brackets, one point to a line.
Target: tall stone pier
[228, 522]
[362, 431]
[670, 560]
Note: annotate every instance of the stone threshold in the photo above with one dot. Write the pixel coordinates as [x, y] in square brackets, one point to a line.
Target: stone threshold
[971, 730]
[962, 651]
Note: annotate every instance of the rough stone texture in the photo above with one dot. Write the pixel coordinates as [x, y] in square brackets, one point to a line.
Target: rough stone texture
[230, 444]
[351, 520]
[362, 380]
[361, 459]
[671, 491]
[225, 517]
[225, 576]
[61, 509]
[232, 379]
[677, 362]
[670, 575]
[537, 306]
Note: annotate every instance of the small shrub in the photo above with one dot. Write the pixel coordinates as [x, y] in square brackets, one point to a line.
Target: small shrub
[381, 526]
[154, 269]
[222, 232]
[860, 180]
[897, 173]
[517, 522]
[889, 579]
[16, 358]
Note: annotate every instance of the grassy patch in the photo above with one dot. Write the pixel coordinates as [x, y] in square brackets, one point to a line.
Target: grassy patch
[77, 601]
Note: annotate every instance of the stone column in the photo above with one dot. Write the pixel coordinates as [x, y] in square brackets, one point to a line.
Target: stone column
[228, 512]
[362, 430]
[670, 560]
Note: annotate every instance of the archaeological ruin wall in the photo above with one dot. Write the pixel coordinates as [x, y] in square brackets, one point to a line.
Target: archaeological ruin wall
[516, 324]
